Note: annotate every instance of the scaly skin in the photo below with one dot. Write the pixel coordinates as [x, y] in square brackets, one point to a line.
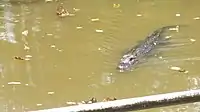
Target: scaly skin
[135, 54]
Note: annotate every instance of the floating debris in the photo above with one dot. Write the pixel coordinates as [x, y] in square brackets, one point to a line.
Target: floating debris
[21, 58]
[109, 99]
[76, 10]
[175, 68]
[160, 57]
[99, 31]
[62, 12]
[27, 59]
[92, 100]
[174, 29]
[59, 50]
[14, 83]
[116, 5]
[26, 47]
[39, 104]
[167, 37]
[139, 15]
[79, 27]
[48, 1]
[18, 58]
[192, 40]
[177, 15]
[53, 46]
[71, 103]
[50, 93]
[71, 15]
[196, 18]
[94, 19]
[25, 33]
[49, 34]
[28, 56]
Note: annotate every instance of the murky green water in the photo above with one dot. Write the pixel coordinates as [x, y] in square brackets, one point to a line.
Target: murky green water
[71, 61]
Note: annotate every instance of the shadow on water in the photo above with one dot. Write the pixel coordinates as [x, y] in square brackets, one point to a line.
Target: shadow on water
[47, 61]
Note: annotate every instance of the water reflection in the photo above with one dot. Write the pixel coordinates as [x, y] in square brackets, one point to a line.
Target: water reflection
[7, 33]
[107, 78]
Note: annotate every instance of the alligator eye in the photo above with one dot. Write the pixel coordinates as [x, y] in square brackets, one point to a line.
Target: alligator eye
[131, 59]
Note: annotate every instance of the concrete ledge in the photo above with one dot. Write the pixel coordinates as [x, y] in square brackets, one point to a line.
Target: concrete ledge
[138, 103]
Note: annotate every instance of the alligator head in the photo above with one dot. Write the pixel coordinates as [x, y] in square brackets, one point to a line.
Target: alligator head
[126, 62]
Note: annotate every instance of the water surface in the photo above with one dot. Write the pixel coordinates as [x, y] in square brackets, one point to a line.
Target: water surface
[71, 61]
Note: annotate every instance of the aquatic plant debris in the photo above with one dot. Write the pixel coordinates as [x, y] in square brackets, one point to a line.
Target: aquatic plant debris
[47, 1]
[175, 68]
[174, 29]
[95, 19]
[39, 104]
[76, 10]
[79, 27]
[53, 46]
[26, 47]
[139, 15]
[49, 34]
[196, 18]
[18, 58]
[99, 31]
[90, 101]
[167, 37]
[25, 32]
[50, 93]
[71, 103]
[14, 83]
[62, 12]
[116, 5]
[28, 56]
[192, 40]
[177, 15]
[59, 50]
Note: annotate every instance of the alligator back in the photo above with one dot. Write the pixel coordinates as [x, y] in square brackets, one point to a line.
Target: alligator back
[135, 54]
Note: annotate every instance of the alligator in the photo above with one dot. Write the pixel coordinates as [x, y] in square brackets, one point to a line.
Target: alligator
[137, 53]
